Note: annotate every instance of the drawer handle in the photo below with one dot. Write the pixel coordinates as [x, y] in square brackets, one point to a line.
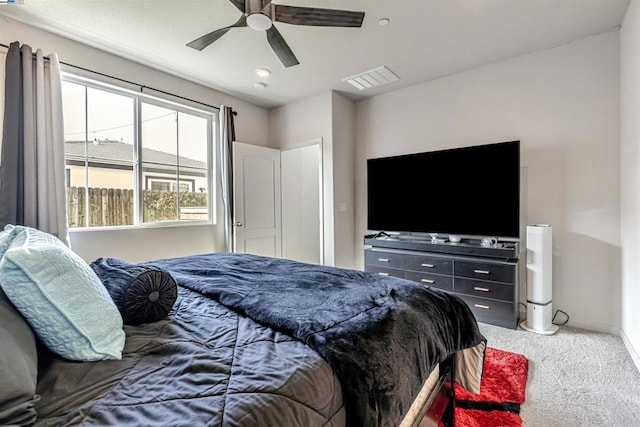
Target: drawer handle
[427, 281]
[481, 271]
[478, 288]
[427, 265]
[383, 259]
[383, 274]
[486, 307]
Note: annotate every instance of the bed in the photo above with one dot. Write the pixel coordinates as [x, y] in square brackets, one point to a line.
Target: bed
[259, 341]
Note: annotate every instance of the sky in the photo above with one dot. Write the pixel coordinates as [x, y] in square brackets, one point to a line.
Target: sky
[111, 117]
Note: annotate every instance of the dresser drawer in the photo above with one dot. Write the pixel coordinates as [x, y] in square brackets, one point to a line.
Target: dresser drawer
[482, 289]
[434, 280]
[384, 259]
[485, 271]
[385, 271]
[491, 311]
[429, 264]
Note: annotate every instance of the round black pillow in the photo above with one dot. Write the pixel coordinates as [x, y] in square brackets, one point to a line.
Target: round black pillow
[143, 294]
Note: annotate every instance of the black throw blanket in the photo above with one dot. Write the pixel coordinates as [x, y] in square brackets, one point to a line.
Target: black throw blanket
[381, 335]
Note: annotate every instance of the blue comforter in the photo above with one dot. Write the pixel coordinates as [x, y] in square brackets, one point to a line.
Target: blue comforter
[381, 335]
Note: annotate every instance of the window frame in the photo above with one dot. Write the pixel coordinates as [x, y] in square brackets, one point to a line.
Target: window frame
[211, 115]
[149, 180]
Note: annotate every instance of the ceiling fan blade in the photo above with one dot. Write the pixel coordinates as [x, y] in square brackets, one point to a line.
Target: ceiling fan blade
[204, 41]
[318, 17]
[239, 4]
[281, 48]
[265, 3]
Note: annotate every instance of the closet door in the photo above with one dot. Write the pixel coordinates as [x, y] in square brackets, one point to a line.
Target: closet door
[301, 204]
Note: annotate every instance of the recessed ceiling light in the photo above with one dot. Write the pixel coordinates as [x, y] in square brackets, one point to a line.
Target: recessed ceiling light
[383, 22]
[260, 85]
[263, 72]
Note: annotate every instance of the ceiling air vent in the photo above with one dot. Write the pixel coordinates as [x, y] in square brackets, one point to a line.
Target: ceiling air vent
[372, 78]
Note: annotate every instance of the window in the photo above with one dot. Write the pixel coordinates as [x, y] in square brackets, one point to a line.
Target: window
[133, 159]
[164, 184]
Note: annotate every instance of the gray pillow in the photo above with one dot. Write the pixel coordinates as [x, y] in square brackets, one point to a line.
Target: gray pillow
[18, 367]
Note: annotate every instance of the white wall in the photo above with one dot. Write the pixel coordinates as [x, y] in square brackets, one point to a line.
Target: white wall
[329, 116]
[301, 121]
[252, 126]
[563, 105]
[343, 129]
[305, 120]
[630, 177]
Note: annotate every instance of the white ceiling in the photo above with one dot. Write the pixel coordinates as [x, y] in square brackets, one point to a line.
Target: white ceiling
[425, 39]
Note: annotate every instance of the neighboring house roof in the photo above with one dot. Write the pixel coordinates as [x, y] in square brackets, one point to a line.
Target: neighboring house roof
[119, 151]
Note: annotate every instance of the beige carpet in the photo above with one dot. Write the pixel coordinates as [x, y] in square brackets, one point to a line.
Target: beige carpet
[576, 377]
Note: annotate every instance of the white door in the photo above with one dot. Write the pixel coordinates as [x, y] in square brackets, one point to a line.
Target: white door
[257, 211]
[302, 203]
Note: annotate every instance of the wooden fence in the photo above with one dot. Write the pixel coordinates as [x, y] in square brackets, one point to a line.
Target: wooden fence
[115, 206]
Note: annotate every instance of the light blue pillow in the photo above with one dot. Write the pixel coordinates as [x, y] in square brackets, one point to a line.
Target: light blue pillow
[61, 297]
[6, 237]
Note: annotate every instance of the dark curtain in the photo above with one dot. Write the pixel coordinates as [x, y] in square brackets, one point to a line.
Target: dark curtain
[32, 165]
[12, 159]
[228, 133]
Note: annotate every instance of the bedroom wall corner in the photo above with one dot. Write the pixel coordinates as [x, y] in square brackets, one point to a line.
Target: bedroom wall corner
[630, 176]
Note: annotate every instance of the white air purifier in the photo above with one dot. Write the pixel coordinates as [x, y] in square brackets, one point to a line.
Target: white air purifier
[539, 281]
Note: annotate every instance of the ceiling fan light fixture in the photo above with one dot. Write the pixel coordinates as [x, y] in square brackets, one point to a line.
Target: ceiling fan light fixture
[259, 21]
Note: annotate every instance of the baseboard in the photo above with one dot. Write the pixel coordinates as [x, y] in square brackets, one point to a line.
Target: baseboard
[596, 327]
[630, 349]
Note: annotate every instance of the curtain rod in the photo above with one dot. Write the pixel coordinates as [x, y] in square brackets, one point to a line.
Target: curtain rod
[235, 113]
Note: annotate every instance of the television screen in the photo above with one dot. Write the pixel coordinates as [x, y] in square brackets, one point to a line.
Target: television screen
[464, 191]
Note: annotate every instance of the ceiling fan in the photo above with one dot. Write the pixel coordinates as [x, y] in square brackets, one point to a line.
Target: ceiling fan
[261, 14]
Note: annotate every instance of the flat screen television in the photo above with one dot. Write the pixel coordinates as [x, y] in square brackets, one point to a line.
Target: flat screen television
[462, 191]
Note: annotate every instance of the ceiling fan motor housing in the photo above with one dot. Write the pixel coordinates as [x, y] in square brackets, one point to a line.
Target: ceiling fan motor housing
[255, 6]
